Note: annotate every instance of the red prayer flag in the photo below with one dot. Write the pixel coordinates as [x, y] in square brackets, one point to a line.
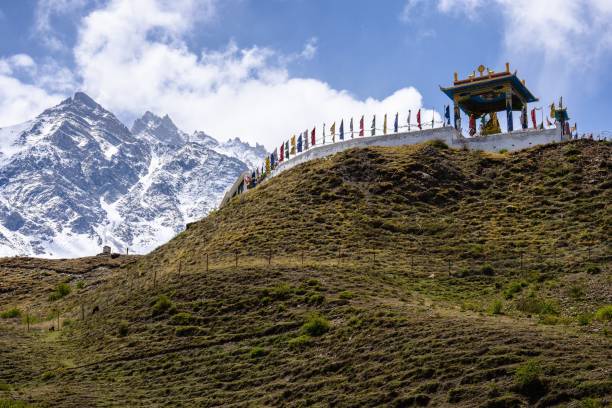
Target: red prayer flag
[419, 119]
[533, 118]
[313, 139]
[282, 153]
[361, 126]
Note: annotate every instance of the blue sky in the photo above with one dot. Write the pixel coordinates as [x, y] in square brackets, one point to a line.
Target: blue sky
[263, 69]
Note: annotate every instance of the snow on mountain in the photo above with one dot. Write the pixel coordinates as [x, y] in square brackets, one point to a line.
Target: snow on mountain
[251, 156]
[75, 178]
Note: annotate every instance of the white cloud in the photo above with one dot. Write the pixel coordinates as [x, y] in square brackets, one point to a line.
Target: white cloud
[45, 11]
[131, 57]
[20, 101]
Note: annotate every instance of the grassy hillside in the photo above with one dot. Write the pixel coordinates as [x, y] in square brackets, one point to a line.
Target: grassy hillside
[407, 276]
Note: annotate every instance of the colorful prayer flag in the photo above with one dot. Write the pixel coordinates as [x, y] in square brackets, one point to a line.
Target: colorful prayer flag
[342, 129]
[287, 150]
[313, 137]
[268, 164]
[374, 125]
[282, 153]
[299, 144]
[552, 110]
[396, 124]
[361, 126]
[351, 125]
[419, 119]
[306, 139]
[332, 130]
[533, 118]
[293, 145]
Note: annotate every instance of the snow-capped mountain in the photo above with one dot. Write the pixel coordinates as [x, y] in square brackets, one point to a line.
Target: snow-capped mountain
[251, 156]
[75, 178]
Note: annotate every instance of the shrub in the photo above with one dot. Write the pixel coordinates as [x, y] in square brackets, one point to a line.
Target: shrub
[533, 305]
[487, 270]
[513, 288]
[182, 319]
[584, 319]
[604, 314]
[11, 313]
[80, 285]
[593, 269]
[497, 307]
[440, 144]
[123, 328]
[62, 290]
[185, 331]
[315, 299]
[347, 295]
[162, 305]
[299, 342]
[315, 326]
[257, 352]
[528, 379]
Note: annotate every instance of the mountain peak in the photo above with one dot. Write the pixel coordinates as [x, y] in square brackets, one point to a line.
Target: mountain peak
[82, 97]
[162, 129]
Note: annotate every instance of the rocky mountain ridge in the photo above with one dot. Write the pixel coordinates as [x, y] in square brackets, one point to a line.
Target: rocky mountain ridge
[75, 178]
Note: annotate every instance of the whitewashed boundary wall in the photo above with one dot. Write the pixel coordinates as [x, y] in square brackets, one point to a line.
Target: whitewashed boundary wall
[516, 140]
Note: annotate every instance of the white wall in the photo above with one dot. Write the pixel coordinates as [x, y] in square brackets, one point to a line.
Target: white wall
[516, 140]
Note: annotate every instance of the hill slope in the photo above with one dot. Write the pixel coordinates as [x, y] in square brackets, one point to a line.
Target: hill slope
[377, 277]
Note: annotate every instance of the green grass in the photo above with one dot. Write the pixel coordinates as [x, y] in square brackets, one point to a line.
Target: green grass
[5, 403]
[162, 305]
[315, 326]
[604, 313]
[10, 313]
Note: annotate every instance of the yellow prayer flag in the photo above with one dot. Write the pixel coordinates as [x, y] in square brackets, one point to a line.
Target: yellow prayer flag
[332, 129]
[552, 110]
[293, 144]
[267, 164]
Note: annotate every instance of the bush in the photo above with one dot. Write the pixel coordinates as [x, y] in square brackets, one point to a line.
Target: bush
[162, 305]
[11, 313]
[257, 352]
[497, 307]
[513, 288]
[487, 270]
[80, 285]
[123, 328]
[593, 269]
[315, 299]
[584, 319]
[528, 379]
[533, 305]
[185, 331]
[182, 319]
[62, 290]
[347, 295]
[604, 314]
[315, 326]
[299, 342]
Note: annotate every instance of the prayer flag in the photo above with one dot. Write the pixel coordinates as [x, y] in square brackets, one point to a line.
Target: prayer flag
[351, 128]
[293, 145]
[419, 119]
[306, 139]
[396, 124]
[282, 153]
[533, 118]
[374, 125]
[332, 130]
[473, 125]
[524, 122]
[273, 159]
[313, 137]
[447, 114]
[385, 125]
[324, 133]
[299, 144]
[361, 126]
[409, 113]
[342, 129]
[552, 110]
[268, 165]
[287, 150]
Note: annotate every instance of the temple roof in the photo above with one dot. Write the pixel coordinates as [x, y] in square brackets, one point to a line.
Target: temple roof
[486, 93]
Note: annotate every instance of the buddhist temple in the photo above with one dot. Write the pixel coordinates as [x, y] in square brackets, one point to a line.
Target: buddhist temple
[481, 95]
